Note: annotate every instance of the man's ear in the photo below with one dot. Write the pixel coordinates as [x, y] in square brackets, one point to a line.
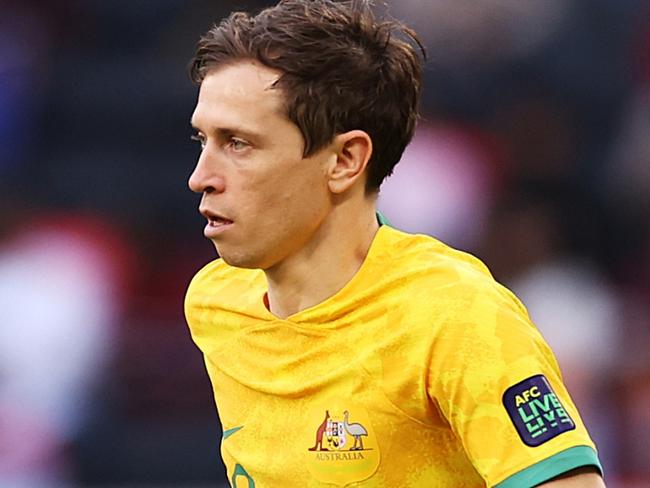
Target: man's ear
[353, 151]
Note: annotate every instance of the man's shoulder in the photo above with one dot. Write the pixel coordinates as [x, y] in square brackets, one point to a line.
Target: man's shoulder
[438, 272]
[427, 257]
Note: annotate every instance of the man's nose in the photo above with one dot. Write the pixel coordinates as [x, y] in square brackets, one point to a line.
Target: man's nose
[206, 177]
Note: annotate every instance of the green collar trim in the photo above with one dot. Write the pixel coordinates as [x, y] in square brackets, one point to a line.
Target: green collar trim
[381, 218]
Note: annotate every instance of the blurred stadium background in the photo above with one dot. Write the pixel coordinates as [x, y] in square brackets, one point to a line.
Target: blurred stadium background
[533, 153]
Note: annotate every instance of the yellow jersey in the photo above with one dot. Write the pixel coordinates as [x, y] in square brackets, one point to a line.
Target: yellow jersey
[422, 371]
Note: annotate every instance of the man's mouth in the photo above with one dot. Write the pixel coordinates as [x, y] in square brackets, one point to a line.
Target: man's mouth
[216, 222]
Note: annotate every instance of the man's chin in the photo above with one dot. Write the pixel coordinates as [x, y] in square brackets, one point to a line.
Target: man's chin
[237, 260]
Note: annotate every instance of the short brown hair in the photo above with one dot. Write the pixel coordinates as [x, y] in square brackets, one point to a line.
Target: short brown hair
[342, 69]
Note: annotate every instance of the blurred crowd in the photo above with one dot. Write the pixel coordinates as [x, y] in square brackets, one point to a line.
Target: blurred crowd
[533, 153]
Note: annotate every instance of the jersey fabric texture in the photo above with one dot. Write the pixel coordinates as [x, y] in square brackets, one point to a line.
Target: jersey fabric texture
[422, 371]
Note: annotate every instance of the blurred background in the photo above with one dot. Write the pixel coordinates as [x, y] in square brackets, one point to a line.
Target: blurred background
[533, 153]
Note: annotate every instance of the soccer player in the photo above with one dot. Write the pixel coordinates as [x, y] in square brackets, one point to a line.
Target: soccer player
[342, 351]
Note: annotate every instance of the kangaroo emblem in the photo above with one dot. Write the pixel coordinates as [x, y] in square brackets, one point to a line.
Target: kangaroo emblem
[318, 446]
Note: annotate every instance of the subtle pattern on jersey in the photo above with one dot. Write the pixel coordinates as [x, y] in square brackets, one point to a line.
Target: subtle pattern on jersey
[422, 338]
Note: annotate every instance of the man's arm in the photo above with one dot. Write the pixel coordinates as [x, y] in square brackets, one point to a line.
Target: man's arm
[586, 477]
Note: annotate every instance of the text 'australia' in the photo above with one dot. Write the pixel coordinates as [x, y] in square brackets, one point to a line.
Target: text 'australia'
[339, 456]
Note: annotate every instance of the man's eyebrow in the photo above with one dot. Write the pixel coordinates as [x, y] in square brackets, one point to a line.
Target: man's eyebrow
[224, 131]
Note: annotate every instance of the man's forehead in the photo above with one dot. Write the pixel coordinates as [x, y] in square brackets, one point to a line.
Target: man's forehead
[242, 79]
[242, 86]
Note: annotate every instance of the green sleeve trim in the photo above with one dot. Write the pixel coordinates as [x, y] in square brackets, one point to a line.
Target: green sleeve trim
[381, 218]
[572, 458]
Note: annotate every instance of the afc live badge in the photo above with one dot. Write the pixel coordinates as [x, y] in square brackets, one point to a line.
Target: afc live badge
[536, 411]
[340, 445]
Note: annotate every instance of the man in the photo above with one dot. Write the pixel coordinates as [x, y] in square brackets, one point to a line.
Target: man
[342, 351]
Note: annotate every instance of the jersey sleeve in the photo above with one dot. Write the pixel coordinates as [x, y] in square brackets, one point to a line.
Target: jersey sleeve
[497, 383]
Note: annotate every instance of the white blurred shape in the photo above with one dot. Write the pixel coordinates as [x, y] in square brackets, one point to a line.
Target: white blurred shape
[576, 311]
[58, 309]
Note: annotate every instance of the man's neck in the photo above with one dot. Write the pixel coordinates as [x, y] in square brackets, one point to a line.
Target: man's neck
[324, 266]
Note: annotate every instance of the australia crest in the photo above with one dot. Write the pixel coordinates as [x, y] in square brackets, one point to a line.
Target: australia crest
[343, 447]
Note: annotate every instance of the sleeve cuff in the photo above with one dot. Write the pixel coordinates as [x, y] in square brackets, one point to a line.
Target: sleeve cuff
[572, 458]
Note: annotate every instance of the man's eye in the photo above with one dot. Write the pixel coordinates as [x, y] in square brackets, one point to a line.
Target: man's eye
[237, 144]
[198, 138]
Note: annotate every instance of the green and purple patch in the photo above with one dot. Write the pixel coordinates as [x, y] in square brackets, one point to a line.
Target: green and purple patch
[536, 411]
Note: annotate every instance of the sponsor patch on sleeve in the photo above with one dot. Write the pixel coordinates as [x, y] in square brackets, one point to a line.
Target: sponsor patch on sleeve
[536, 411]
